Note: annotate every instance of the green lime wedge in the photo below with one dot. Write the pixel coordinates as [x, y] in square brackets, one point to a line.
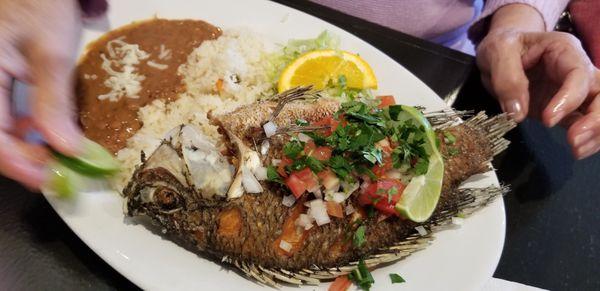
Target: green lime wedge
[64, 181]
[421, 195]
[94, 161]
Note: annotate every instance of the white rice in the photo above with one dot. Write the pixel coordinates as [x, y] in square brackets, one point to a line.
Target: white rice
[238, 58]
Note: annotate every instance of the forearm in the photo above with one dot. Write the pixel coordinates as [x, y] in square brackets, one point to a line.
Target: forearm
[548, 10]
[521, 17]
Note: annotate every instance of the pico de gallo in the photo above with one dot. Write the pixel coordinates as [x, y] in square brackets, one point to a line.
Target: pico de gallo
[367, 147]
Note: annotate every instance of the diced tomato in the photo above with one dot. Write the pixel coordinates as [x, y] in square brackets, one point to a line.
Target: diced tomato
[334, 209]
[386, 101]
[281, 167]
[341, 283]
[322, 153]
[385, 146]
[380, 169]
[378, 194]
[328, 179]
[307, 177]
[327, 121]
[296, 185]
[300, 181]
[309, 147]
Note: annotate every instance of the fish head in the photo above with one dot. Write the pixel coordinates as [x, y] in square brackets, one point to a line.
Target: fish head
[186, 171]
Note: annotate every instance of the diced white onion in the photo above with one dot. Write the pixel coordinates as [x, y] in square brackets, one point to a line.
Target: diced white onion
[314, 189]
[251, 185]
[318, 194]
[457, 220]
[304, 221]
[349, 209]
[319, 212]
[275, 162]
[394, 174]
[421, 230]
[303, 137]
[286, 246]
[260, 173]
[349, 188]
[331, 184]
[288, 200]
[270, 128]
[338, 197]
[264, 147]
[364, 186]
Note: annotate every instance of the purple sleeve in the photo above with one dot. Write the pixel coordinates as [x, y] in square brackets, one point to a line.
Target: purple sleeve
[93, 8]
[549, 9]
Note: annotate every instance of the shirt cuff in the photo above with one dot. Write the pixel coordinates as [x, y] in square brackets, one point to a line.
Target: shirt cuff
[93, 8]
[549, 9]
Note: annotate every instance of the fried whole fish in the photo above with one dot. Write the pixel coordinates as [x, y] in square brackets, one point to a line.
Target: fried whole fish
[194, 192]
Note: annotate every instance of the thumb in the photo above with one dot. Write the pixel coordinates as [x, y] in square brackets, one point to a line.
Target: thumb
[500, 59]
[51, 101]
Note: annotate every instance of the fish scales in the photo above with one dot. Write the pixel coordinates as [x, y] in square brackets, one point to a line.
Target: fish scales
[263, 215]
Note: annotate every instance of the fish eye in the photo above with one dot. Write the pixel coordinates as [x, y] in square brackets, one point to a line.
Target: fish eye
[167, 198]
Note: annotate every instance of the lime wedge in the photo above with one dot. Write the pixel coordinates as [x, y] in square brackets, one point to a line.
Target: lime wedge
[94, 161]
[64, 181]
[421, 195]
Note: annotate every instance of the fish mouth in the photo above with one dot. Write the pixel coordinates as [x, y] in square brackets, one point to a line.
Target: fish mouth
[185, 172]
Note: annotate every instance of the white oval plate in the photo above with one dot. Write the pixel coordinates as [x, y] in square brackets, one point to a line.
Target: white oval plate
[462, 259]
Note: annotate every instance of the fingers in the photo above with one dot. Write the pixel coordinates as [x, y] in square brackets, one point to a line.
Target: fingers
[584, 135]
[22, 162]
[571, 95]
[500, 59]
[52, 97]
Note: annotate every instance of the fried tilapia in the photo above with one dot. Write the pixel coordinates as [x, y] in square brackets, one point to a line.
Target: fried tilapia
[195, 191]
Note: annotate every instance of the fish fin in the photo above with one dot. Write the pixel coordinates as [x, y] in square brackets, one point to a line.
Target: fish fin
[468, 201]
[494, 128]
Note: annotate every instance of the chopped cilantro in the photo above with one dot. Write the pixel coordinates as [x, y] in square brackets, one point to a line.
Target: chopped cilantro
[359, 236]
[374, 155]
[314, 164]
[293, 148]
[394, 111]
[340, 166]
[363, 170]
[361, 276]
[421, 167]
[453, 151]
[449, 138]
[273, 175]
[391, 192]
[396, 278]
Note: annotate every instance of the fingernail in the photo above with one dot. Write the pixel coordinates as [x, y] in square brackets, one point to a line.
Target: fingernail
[513, 108]
[582, 138]
[587, 149]
[559, 107]
[68, 136]
[555, 119]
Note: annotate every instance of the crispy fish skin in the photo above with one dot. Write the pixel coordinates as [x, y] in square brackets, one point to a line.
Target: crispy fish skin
[262, 216]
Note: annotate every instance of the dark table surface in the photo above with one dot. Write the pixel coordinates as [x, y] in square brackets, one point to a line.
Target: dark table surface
[553, 212]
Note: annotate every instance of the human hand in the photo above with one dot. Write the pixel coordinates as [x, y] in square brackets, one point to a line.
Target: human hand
[37, 46]
[546, 75]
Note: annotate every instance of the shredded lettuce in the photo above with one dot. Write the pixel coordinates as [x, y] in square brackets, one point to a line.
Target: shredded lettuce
[295, 47]
[279, 60]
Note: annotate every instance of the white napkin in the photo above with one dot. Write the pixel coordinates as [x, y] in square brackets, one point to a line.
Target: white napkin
[495, 284]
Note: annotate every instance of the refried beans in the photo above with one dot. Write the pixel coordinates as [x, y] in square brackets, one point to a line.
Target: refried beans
[168, 42]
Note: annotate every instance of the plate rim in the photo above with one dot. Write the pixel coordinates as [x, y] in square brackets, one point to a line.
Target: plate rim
[124, 272]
